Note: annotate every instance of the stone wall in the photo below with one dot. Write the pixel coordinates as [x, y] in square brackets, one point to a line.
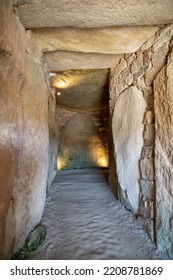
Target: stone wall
[163, 102]
[99, 126]
[23, 134]
[133, 126]
[53, 138]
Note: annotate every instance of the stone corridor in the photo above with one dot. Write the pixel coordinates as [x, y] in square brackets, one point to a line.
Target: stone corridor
[84, 221]
[86, 85]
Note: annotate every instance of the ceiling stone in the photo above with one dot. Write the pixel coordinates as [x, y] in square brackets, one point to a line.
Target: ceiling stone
[62, 60]
[113, 40]
[94, 14]
[83, 90]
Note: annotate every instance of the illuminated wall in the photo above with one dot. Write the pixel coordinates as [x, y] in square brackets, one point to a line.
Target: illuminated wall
[80, 145]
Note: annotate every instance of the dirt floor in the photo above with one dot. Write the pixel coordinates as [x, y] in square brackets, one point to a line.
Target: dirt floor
[85, 222]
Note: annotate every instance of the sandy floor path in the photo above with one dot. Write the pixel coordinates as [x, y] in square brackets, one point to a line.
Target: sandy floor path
[85, 221]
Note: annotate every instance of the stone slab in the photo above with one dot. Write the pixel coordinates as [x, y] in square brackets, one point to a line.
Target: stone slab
[127, 130]
[163, 93]
[62, 60]
[112, 40]
[79, 13]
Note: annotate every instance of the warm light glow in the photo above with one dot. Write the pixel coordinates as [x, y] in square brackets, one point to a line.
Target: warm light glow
[61, 84]
[103, 162]
[58, 93]
[60, 163]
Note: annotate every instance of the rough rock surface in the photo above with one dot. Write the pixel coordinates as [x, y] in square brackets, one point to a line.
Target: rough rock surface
[12, 58]
[127, 130]
[80, 145]
[112, 40]
[62, 60]
[163, 100]
[31, 181]
[53, 138]
[79, 13]
[83, 89]
[23, 135]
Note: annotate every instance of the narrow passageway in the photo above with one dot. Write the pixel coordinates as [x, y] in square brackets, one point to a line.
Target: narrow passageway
[85, 221]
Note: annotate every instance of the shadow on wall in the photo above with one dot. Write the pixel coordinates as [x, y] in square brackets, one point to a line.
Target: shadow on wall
[80, 145]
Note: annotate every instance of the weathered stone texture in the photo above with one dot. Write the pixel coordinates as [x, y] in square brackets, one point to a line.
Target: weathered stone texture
[127, 130]
[141, 69]
[137, 64]
[147, 189]
[112, 40]
[30, 190]
[82, 90]
[79, 147]
[11, 78]
[163, 92]
[99, 118]
[147, 168]
[149, 117]
[63, 60]
[50, 13]
[53, 147]
[23, 137]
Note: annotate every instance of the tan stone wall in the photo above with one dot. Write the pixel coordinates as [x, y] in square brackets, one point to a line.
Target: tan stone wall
[53, 138]
[163, 101]
[23, 134]
[99, 119]
[139, 70]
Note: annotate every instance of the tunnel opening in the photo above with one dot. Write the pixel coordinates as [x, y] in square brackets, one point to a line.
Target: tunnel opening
[82, 118]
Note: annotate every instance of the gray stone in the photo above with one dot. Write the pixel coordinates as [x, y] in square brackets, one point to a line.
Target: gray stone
[149, 131]
[127, 131]
[163, 93]
[50, 13]
[147, 168]
[147, 189]
[147, 152]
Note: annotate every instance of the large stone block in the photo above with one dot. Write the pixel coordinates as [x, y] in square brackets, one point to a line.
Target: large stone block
[147, 189]
[32, 166]
[12, 63]
[147, 168]
[62, 60]
[149, 132]
[127, 129]
[163, 92]
[112, 40]
[79, 13]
